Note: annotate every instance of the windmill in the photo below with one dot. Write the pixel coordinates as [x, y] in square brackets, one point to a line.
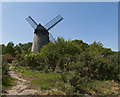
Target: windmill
[41, 34]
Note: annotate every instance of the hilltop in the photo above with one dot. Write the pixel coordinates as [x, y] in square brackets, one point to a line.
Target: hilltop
[64, 67]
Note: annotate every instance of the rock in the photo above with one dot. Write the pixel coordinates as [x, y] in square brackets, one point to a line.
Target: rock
[4, 91]
[28, 92]
[86, 95]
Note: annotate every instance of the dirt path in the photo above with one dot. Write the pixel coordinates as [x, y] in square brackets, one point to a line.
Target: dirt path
[21, 87]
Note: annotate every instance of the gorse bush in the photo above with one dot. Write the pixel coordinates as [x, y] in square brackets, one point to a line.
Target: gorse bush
[60, 47]
[5, 68]
[8, 58]
[92, 60]
[54, 55]
[8, 49]
[81, 45]
[13, 51]
[6, 79]
[78, 63]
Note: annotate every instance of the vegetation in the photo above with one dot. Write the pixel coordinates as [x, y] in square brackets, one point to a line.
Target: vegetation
[7, 81]
[83, 68]
[9, 53]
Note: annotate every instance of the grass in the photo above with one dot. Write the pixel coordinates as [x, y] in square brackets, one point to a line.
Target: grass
[103, 87]
[41, 80]
[8, 82]
[46, 81]
[53, 81]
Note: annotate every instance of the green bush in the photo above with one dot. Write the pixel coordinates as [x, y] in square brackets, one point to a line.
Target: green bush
[83, 47]
[58, 54]
[80, 83]
[5, 68]
[8, 58]
[66, 76]
[6, 79]
[77, 56]
[104, 68]
[9, 49]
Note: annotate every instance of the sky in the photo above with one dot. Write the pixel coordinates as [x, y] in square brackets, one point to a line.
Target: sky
[87, 21]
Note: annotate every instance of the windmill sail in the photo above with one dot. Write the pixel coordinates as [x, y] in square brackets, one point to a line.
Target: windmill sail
[53, 22]
[51, 38]
[31, 22]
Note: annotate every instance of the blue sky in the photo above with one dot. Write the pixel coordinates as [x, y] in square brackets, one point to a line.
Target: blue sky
[87, 21]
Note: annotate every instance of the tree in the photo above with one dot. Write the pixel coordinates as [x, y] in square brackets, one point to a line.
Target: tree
[80, 45]
[18, 49]
[3, 48]
[96, 49]
[26, 47]
[9, 49]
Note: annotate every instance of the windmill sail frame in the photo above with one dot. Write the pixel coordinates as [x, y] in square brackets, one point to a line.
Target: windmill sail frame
[53, 22]
[31, 22]
[51, 38]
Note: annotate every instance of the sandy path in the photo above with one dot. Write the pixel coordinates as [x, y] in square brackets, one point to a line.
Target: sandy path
[20, 88]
